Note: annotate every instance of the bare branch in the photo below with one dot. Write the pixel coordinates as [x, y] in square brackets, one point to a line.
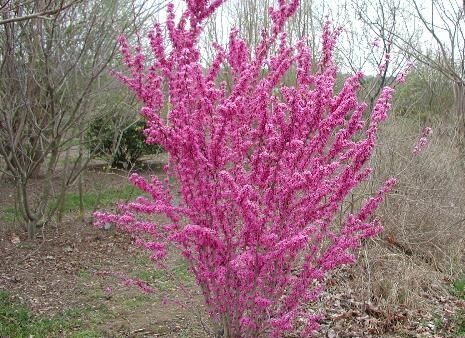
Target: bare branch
[40, 15]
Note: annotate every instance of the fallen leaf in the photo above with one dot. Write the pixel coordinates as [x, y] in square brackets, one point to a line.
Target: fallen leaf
[15, 239]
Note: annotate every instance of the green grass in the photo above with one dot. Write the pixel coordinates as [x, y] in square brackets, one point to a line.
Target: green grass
[17, 321]
[163, 280]
[137, 302]
[459, 288]
[9, 215]
[460, 325]
[84, 274]
[438, 322]
[91, 200]
[86, 334]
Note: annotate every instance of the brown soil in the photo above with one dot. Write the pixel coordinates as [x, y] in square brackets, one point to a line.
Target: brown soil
[59, 270]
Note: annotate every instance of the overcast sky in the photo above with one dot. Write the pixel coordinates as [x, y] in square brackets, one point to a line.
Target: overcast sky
[356, 45]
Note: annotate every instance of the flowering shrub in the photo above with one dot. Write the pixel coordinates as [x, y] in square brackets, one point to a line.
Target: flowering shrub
[261, 169]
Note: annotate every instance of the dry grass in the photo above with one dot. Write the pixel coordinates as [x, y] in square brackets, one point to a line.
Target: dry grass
[422, 247]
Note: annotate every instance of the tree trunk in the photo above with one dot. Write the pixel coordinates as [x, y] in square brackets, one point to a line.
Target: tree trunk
[37, 160]
[459, 97]
[226, 329]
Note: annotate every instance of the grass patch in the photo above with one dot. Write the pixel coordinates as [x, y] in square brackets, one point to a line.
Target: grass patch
[87, 334]
[460, 325]
[179, 269]
[92, 200]
[162, 279]
[16, 320]
[137, 302]
[84, 274]
[459, 288]
[9, 215]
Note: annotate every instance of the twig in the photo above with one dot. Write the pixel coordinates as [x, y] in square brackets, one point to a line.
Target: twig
[39, 15]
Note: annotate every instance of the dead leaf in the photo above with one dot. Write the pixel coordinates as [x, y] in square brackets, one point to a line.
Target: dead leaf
[15, 239]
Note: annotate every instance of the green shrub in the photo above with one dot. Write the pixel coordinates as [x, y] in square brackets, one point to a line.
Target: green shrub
[425, 94]
[120, 144]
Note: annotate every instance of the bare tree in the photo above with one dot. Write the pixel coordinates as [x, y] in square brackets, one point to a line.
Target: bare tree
[370, 48]
[53, 70]
[432, 33]
[251, 17]
[12, 11]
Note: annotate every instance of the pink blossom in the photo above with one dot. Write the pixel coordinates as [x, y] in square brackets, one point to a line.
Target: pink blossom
[427, 131]
[401, 77]
[423, 140]
[261, 168]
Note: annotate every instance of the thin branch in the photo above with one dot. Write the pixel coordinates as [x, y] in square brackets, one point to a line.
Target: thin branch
[40, 15]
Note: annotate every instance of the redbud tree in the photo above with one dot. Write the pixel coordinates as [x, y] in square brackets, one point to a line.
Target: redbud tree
[260, 168]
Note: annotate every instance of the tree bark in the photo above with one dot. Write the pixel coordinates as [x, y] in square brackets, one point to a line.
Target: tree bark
[459, 98]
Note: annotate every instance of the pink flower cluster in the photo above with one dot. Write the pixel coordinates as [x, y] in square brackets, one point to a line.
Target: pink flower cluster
[261, 168]
[376, 43]
[422, 141]
[383, 66]
[401, 77]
